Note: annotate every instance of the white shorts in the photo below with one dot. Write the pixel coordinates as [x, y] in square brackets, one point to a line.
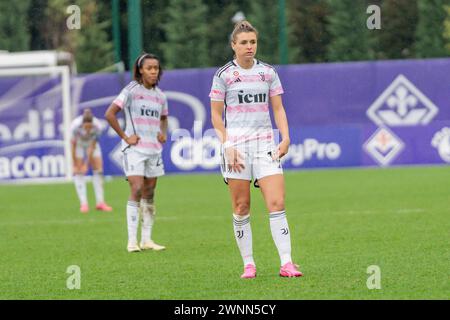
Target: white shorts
[139, 164]
[257, 166]
[81, 151]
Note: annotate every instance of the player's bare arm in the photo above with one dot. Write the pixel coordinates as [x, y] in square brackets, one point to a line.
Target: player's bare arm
[111, 117]
[282, 124]
[162, 135]
[73, 144]
[216, 119]
[234, 158]
[90, 152]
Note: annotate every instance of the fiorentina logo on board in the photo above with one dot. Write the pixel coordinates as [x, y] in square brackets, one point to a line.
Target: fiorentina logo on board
[402, 104]
[384, 146]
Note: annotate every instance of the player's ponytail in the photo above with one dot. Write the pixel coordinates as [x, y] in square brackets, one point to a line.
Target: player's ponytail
[140, 62]
[242, 26]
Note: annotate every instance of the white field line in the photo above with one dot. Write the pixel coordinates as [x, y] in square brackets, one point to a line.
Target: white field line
[100, 219]
[364, 212]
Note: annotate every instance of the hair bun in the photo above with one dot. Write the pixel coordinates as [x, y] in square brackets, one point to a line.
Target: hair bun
[242, 26]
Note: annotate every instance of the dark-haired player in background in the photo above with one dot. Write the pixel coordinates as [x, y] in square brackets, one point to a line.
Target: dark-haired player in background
[146, 111]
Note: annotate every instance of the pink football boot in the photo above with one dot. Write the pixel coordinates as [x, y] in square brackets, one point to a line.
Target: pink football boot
[84, 208]
[103, 207]
[249, 272]
[290, 270]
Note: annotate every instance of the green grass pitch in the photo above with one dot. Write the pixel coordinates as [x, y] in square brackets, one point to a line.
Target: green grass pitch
[341, 221]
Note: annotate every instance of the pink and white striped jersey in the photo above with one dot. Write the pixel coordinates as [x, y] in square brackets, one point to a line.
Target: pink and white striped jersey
[143, 110]
[81, 136]
[246, 94]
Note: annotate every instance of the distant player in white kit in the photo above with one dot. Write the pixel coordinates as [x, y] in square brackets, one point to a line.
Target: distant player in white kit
[241, 90]
[146, 111]
[86, 152]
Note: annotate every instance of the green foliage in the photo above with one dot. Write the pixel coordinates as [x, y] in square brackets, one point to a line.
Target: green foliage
[430, 29]
[186, 43]
[90, 45]
[36, 16]
[309, 35]
[95, 50]
[447, 29]
[190, 34]
[54, 28]
[348, 29]
[263, 15]
[220, 27]
[152, 22]
[397, 35]
[14, 28]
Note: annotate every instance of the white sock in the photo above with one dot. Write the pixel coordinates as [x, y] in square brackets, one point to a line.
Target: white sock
[132, 220]
[97, 181]
[243, 235]
[148, 218]
[280, 234]
[80, 186]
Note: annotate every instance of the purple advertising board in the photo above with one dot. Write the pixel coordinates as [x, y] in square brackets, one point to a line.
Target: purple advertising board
[31, 135]
[382, 113]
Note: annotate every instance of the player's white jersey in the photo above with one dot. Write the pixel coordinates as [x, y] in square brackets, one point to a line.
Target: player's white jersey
[81, 136]
[246, 94]
[143, 110]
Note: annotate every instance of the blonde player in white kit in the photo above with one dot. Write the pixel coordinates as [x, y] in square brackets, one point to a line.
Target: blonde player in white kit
[146, 111]
[86, 152]
[240, 93]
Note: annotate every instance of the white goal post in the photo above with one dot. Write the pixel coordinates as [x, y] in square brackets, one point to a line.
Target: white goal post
[52, 71]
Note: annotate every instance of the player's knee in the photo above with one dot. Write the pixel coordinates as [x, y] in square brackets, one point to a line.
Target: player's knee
[242, 207]
[80, 171]
[276, 205]
[148, 192]
[77, 169]
[136, 190]
[97, 165]
[97, 170]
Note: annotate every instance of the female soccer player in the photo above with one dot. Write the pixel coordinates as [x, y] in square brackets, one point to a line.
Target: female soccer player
[146, 110]
[242, 89]
[86, 152]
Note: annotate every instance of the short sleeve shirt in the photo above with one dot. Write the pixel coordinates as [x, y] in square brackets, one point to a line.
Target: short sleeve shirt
[143, 109]
[246, 94]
